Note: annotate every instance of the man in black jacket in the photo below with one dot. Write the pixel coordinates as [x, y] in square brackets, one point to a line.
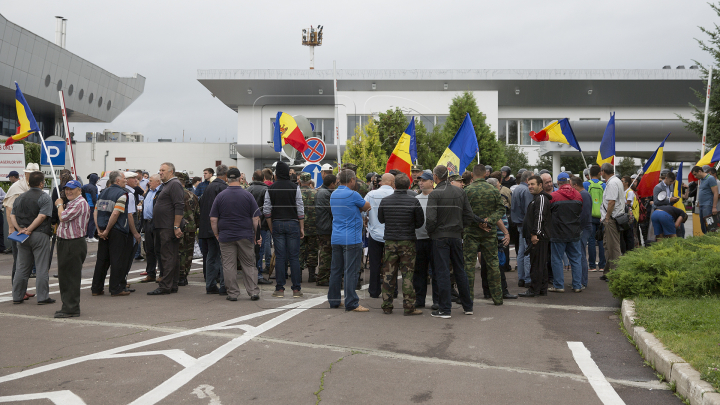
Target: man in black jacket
[208, 243]
[323, 225]
[401, 214]
[536, 228]
[448, 211]
[258, 188]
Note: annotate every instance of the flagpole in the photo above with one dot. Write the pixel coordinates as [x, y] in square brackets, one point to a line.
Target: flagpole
[337, 118]
[52, 169]
[707, 108]
[584, 161]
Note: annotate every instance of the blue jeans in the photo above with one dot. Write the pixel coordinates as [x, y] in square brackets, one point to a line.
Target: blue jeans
[584, 238]
[265, 251]
[523, 262]
[449, 252]
[557, 250]
[345, 260]
[213, 268]
[705, 210]
[591, 247]
[286, 236]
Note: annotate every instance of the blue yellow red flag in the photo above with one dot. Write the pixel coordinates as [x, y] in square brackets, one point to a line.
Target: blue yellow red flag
[27, 122]
[713, 156]
[651, 172]
[287, 133]
[606, 154]
[405, 151]
[557, 131]
[678, 187]
[462, 148]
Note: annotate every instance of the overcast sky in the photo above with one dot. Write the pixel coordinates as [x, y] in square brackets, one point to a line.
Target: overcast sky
[168, 41]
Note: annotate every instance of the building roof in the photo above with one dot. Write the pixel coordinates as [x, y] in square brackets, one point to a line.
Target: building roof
[41, 68]
[515, 87]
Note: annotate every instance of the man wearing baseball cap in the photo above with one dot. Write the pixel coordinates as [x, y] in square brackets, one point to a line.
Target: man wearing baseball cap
[72, 247]
[325, 170]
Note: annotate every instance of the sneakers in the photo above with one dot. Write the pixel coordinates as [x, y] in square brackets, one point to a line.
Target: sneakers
[279, 294]
[91, 240]
[414, 312]
[297, 294]
[438, 314]
[468, 312]
[557, 290]
[577, 290]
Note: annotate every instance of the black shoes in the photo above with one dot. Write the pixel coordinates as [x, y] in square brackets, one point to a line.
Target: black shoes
[435, 307]
[182, 282]
[254, 297]
[509, 296]
[158, 292]
[229, 298]
[47, 301]
[263, 281]
[521, 283]
[419, 305]
[438, 314]
[212, 292]
[527, 294]
[60, 314]
[603, 278]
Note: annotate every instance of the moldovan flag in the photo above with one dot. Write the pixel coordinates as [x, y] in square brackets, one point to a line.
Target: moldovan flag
[405, 151]
[287, 133]
[462, 148]
[25, 119]
[678, 188]
[557, 131]
[651, 172]
[713, 156]
[606, 154]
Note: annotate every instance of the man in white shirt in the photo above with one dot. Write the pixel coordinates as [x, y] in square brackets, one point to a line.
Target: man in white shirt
[376, 243]
[613, 205]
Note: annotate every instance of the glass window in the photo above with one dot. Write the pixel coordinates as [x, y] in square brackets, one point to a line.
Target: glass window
[525, 132]
[328, 131]
[353, 122]
[502, 131]
[428, 121]
[440, 120]
[512, 132]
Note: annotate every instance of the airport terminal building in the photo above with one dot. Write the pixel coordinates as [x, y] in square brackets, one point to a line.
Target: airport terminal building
[515, 102]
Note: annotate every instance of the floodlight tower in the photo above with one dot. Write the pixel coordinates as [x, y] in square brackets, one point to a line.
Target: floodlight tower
[312, 37]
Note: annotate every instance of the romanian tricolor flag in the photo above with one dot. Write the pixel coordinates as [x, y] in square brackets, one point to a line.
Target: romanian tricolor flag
[606, 154]
[557, 131]
[651, 172]
[25, 119]
[462, 148]
[405, 151]
[287, 133]
[713, 156]
[678, 188]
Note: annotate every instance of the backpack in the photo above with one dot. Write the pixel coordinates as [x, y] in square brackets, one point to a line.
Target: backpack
[596, 193]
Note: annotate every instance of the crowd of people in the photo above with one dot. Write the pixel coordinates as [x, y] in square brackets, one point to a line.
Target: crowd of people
[432, 228]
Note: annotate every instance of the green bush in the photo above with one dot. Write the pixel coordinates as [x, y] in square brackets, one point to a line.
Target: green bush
[669, 268]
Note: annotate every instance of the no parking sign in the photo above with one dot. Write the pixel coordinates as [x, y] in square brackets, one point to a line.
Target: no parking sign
[316, 150]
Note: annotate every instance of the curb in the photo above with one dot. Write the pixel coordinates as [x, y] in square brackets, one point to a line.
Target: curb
[675, 370]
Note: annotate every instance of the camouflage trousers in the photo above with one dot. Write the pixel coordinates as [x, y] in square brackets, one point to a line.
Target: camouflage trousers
[187, 249]
[325, 255]
[309, 252]
[399, 256]
[487, 246]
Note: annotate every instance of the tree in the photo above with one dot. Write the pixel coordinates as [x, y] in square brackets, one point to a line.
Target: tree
[545, 162]
[696, 125]
[626, 167]
[391, 126]
[364, 150]
[574, 163]
[516, 158]
[32, 152]
[491, 151]
[430, 145]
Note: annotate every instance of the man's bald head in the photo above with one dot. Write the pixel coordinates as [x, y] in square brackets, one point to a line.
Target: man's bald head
[547, 182]
[387, 179]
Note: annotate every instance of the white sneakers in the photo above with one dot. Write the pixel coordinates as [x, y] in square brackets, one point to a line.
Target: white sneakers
[91, 240]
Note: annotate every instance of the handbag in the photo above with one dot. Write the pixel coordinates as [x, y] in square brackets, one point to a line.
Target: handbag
[623, 221]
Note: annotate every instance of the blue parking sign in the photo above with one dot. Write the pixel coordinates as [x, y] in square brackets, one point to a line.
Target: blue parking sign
[56, 149]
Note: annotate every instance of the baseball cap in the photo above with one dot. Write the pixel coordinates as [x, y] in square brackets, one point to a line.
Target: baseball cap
[634, 176]
[705, 168]
[326, 166]
[416, 168]
[13, 174]
[426, 175]
[455, 177]
[73, 184]
[563, 177]
[305, 176]
[233, 173]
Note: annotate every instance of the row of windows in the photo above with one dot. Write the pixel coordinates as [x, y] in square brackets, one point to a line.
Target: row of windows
[430, 122]
[517, 131]
[9, 124]
[81, 94]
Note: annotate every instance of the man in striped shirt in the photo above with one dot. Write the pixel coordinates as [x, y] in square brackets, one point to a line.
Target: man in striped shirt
[72, 247]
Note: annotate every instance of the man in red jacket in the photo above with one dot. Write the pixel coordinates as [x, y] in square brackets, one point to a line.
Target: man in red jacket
[565, 232]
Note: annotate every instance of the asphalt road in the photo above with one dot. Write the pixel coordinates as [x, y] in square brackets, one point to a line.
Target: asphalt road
[202, 349]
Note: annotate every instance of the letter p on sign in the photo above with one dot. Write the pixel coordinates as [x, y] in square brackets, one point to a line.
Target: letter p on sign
[55, 153]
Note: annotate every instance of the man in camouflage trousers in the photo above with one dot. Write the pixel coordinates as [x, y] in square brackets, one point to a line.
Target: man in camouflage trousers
[191, 214]
[323, 226]
[309, 244]
[486, 203]
[402, 214]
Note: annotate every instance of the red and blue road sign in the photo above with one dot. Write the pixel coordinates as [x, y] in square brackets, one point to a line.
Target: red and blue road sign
[316, 150]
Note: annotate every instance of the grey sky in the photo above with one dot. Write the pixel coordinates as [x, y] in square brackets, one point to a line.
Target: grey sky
[168, 41]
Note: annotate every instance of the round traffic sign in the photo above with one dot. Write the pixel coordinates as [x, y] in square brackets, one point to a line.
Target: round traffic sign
[316, 150]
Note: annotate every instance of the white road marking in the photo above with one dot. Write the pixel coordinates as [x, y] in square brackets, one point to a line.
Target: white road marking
[206, 391]
[565, 307]
[596, 378]
[64, 397]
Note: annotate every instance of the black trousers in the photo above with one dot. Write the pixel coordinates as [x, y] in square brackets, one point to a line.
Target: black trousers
[423, 258]
[71, 255]
[169, 248]
[150, 254]
[375, 255]
[448, 253]
[129, 254]
[112, 254]
[539, 255]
